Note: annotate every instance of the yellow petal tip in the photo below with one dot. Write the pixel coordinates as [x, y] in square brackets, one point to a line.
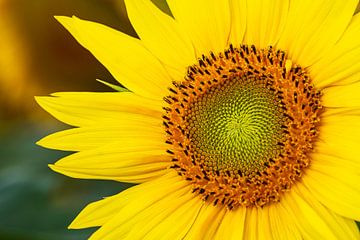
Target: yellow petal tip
[75, 225]
[40, 143]
[57, 169]
[66, 21]
[47, 142]
[63, 19]
[72, 225]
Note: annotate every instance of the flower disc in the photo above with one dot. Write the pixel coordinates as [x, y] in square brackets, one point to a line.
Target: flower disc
[236, 125]
[241, 125]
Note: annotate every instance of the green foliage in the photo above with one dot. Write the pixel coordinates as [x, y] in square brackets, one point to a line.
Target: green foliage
[36, 203]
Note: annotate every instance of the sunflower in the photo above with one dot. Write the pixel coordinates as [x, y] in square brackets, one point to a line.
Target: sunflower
[240, 120]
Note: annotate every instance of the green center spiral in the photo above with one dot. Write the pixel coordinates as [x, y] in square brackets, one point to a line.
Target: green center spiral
[236, 125]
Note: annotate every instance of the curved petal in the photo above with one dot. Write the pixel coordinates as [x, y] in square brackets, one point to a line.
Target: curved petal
[126, 134]
[144, 202]
[343, 96]
[162, 35]
[100, 212]
[116, 162]
[252, 225]
[265, 21]
[206, 21]
[339, 137]
[341, 65]
[179, 214]
[337, 187]
[238, 13]
[313, 27]
[86, 109]
[232, 225]
[124, 56]
[282, 225]
[313, 219]
[207, 222]
[333, 161]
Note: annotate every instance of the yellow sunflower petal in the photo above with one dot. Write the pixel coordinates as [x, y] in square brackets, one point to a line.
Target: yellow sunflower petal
[232, 225]
[85, 109]
[238, 21]
[130, 133]
[115, 162]
[180, 213]
[124, 56]
[251, 225]
[339, 136]
[313, 27]
[206, 21]
[327, 183]
[342, 96]
[162, 35]
[207, 222]
[341, 65]
[348, 111]
[257, 224]
[264, 228]
[327, 160]
[98, 213]
[282, 225]
[146, 199]
[265, 21]
[313, 219]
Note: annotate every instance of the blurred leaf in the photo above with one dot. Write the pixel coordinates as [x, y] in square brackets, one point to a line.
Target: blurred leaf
[113, 86]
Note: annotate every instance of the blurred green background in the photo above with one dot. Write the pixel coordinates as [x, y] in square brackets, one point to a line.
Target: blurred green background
[38, 57]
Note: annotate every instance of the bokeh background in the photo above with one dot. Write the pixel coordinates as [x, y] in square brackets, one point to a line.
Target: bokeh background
[38, 57]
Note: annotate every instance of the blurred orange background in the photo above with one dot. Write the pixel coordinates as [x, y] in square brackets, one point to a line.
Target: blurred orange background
[38, 56]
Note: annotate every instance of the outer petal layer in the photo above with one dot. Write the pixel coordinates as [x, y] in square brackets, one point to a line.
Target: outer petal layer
[206, 21]
[129, 133]
[163, 36]
[120, 208]
[265, 21]
[339, 137]
[238, 13]
[343, 96]
[314, 220]
[232, 225]
[149, 202]
[313, 27]
[115, 162]
[124, 56]
[327, 182]
[181, 213]
[207, 222]
[86, 109]
[340, 65]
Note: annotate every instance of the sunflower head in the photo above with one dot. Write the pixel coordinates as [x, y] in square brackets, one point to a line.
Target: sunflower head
[242, 125]
[241, 121]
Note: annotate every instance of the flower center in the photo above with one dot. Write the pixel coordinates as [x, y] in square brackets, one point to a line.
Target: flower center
[236, 125]
[241, 125]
